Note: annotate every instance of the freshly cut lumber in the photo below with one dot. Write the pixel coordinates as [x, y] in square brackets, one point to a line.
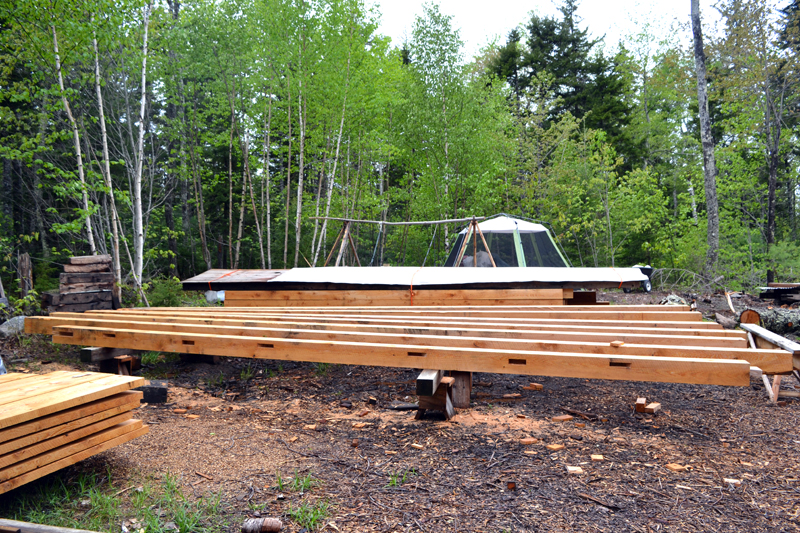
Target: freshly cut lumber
[664, 328]
[44, 444]
[89, 259]
[637, 368]
[90, 446]
[73, 393]
[70, 418]
[68, 450]
[773, 338]
[640, 405]
[769, 360]
[428, 381]
[399, 297]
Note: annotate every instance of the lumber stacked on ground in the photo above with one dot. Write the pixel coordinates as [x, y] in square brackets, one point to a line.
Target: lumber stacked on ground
[397, 297]
[51, 421]
[87, 283]
[640, 343]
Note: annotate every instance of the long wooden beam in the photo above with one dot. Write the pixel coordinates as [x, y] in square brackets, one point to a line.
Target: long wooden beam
[444, 309]
[767, 360]
[565, 319]
[766, 338]
[44, 325]
[635, 368]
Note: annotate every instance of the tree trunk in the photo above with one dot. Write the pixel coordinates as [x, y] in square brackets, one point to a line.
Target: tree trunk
[77, 143]
[106, 167]
[288, 181]
[248, 175]
[268, 184]
[138, 228]
[299, 213]
[709, 162]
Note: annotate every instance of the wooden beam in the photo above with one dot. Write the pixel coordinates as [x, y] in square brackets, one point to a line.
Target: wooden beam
[89, 259]
[769, 360]
[428, 381]
[773, 338]
[634, 368]
[43, 325]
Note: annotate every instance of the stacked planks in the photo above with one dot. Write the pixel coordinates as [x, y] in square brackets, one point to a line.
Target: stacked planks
[87, 283]
[637, 343]
[396, 297]
[50, 421]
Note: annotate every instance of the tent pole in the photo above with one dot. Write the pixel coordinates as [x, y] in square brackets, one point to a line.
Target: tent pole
[474, 243]
[334, 246]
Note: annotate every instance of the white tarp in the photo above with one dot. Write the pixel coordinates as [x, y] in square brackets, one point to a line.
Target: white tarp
[421, 276]
[505, 224]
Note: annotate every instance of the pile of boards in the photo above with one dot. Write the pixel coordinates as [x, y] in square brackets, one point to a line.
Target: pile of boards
[636, 343]
[86, 283]
[51, 421]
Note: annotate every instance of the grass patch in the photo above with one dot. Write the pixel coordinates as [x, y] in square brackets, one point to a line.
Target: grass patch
[308, 515]
[91, 501]
[398, 478]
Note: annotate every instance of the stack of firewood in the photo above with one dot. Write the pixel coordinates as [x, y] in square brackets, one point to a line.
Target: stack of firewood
[87, 283]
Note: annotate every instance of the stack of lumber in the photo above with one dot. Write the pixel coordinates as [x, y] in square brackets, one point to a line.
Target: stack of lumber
[637, 343]
[87, 283]
[51, 421]
[782, 293]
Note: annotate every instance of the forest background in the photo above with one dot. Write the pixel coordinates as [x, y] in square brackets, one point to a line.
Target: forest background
[180, 137]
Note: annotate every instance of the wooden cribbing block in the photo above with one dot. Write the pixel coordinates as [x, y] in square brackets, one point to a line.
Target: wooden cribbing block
[462, 388]
[428, 382]
[641, 403]
[121, 365]
[652, 407]
[440, 401]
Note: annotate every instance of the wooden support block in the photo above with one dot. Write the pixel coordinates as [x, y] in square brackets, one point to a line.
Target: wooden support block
[95, 267]
[428, 381]
[440, 401]
[96, 354]
[652, 408]
[641, 403]
[121, 365]
[462, 388]
[199, 358]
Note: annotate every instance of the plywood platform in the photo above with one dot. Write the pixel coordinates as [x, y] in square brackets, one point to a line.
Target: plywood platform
[50, 421]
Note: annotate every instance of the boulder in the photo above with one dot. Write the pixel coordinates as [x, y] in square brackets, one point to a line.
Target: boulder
[12, 327]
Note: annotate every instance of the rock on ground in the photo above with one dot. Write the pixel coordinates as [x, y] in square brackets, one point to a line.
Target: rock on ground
[12, 327]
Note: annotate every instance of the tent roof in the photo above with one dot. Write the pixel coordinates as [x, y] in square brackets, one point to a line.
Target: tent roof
[504, 224]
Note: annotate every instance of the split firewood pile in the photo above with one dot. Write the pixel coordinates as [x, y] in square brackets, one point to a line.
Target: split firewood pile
[635, 343]
[51, 421]
[87, 283]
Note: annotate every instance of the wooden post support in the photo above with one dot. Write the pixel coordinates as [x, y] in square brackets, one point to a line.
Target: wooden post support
[462, 388]
[428, 382]
[774, 389]
[442, 400]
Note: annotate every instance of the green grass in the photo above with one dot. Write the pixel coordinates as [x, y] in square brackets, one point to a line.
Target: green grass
[308, 515]
[398, 478]
[296, 484]
[91, 501]
[150, 358]
[247, 373]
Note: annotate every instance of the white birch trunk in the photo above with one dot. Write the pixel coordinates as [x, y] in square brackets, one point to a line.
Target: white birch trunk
[138, 229]
[77, 143]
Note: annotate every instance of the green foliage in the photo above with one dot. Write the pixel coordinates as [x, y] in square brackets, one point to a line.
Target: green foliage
[399, 478]
[310, 515]
[164, 292]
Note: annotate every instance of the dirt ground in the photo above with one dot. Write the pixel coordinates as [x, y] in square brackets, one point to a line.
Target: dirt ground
[256, 424]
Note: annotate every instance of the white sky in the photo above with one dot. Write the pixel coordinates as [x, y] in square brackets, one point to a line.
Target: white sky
[480, 22]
